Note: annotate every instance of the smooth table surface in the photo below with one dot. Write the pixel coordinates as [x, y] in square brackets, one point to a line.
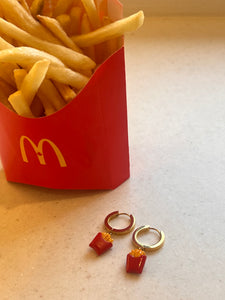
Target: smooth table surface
[176, 112]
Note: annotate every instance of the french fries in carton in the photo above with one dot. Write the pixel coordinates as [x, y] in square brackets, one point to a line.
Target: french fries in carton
[63, 111]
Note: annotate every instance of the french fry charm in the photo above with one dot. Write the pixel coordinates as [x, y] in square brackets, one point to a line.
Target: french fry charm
[137, 257]
[135, 261]
[102, 242]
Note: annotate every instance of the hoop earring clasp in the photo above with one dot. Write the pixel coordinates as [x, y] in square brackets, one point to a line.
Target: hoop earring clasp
[153, 247]
[115, 230]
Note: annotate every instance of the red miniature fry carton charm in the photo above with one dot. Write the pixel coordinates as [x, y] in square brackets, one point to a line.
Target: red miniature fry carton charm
[102, 242]
[135, 261]
[136, 258]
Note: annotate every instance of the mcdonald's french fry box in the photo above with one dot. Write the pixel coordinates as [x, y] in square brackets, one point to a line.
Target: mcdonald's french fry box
[82, 146]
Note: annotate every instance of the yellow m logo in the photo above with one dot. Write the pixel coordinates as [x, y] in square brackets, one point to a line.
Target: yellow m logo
[39, 150]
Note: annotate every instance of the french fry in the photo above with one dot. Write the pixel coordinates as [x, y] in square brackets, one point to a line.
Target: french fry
[66, 92]
[62, 7]
[20, 105]
[4, 44]
[5, 76]
[48, 91]
[19, 75]
[64, 21]
[92, 13]
[58, 55]
[36, 106]
[67, 76]
[54, 26]
[1, 12]
[112, 44]
[15, 13]
[26, 56]
[86, 28]
[113, 30]
[9, 69]
[34, 79]
[72, 59]
[36, 7]
[5, 91]
[57, 71]
[25, 5]
[48, 107]
[75, 17]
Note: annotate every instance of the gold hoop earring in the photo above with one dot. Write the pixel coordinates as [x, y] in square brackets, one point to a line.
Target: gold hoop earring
[137, 257]
[103, 240]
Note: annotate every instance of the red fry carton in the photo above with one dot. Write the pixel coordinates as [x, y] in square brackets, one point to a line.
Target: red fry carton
[82, 146]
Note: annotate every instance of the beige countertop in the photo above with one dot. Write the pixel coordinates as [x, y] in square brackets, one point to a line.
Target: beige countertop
[176, 112]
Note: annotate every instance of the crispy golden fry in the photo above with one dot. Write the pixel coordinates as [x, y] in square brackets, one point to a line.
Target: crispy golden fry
[4, 44]
[62, 7]
[8, 69]
[75, 17]
[5, 76]
[86, 28]
[20, 105]
[5, 91]
[15, 13]
[64, 21]
[53, 63]
[72, 59]
[25, 5]
[54, 26]
[67, 76]
[113, 30]
[112, 44]
[36, 7]
[19, 75]
[36, 106]
[92, 13]
[48, 91]
[66, 92]
[1, 12]
[48, 107]
[34, 79]
[26, 57]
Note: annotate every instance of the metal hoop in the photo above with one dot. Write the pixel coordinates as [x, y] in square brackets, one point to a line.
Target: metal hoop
[115, 230]
[153, 247]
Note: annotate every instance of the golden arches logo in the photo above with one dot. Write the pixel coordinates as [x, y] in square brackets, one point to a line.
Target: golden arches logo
[39, 150]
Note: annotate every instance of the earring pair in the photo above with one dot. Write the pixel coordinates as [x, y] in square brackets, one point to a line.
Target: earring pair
[136, 258]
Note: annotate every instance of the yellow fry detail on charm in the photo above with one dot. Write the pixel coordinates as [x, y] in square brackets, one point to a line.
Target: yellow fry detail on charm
[107, 237]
